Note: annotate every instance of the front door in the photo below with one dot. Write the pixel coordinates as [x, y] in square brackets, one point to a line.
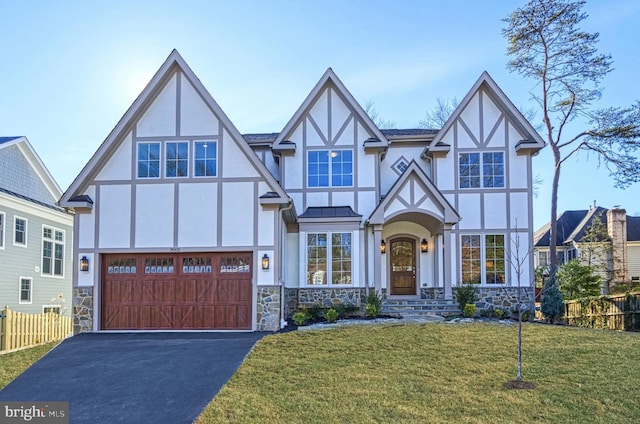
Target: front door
[403, 267]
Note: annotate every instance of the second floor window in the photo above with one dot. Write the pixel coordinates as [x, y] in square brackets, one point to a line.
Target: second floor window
[148, 160]
[481, 170]
[177, 160]
[206, 158]
[20, 233]
[52, 252]
[330, 168]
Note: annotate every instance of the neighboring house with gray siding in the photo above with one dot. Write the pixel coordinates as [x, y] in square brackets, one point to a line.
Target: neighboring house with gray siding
[188, 224]
[35, 234]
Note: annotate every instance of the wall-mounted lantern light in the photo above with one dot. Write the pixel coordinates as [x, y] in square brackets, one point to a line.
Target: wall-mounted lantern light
[383, 247]
[424, 246]
[265, 262]
[84, 264]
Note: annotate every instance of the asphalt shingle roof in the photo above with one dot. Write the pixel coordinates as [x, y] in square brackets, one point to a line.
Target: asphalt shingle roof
[7, 139]
[329, 212]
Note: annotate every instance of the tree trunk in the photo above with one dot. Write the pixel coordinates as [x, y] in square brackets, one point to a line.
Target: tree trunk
[553, 230]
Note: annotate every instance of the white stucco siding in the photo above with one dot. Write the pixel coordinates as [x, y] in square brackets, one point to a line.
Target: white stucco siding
[366, 203]
[197, 215]
[471, 117]
[234, 161]
[518, 169]
[393, 207]
[160, 117]
[118, 167]
[451, 247]
[294, 174]
[347, 136]
[266, 226]
[428, 205]
[313, 138]
[154, 215]
[464, 139]
[87, 224]
[87, 279]
[320, 113]
[195, 116]
[490, 116]
[114, 209]
[343, 198]
[519, 210]
[446, 167]
[237, 214]
[497, 140]
[367, 163]
[317, 199]
[495, 208]
[297, 202]
[470, 210]
[339, 115]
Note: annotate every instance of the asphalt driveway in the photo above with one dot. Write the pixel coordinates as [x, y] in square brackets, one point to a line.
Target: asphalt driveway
[134, 377]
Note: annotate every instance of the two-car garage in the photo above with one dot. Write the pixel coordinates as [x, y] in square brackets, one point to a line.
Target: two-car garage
[178, 291]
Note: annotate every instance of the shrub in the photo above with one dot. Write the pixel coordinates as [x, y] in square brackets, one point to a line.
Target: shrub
[498, 313]
[469, 310]
[552, 305]
[315, 312]
[331, 315]
[301, 318]
[345, 309]
[577, 281]
[465, 294]
[374, 304]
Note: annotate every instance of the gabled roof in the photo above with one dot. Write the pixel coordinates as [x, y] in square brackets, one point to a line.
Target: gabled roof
[532, 144]
[173, 63]
[329, 77]
[587, 221]
[36, 163]
[567, 223]
[451, 216]
[633, 228]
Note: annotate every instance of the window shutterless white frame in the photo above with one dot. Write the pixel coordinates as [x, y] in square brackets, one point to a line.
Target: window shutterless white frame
[484, 258]
[54, 238]
[205, 159]
[477, 169]
[328, 248]
[25, 289]
[24, 230]
[329, 168]
[178, 163]
[146, 161]
[3, 225]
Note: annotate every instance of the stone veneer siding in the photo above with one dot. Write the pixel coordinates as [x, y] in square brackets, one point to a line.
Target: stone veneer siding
[82, 310]
[323, 297]
[268, 308]
[504, 297]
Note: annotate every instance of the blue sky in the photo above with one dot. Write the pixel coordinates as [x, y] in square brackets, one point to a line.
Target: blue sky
[72, 68]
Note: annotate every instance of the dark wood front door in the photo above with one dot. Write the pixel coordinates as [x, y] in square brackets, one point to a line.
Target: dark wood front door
[403, 267]
[189, 291]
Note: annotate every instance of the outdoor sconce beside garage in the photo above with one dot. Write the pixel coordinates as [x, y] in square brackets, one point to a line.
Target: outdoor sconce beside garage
[84, 264]
[265, 261]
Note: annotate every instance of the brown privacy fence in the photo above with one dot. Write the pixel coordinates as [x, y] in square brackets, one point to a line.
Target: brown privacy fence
[19, 330]
[618, 312]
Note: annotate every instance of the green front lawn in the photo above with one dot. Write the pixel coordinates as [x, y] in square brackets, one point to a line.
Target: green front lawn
[13, 364]
[436, 373]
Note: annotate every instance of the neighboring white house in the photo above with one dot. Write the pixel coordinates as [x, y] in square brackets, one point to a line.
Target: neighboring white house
[619, 248]
[35, 234]
[188, 224]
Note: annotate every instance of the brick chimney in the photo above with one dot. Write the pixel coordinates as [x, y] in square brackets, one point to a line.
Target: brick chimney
[617, 229]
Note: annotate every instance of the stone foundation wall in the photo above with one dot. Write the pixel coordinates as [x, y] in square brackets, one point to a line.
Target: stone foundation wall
[268, 308]
[432, 293]
[323, 297]
[504, 297]
[82, 310]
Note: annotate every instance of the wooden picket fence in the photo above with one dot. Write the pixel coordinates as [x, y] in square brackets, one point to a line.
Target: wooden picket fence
[19, 330]
[617, 312]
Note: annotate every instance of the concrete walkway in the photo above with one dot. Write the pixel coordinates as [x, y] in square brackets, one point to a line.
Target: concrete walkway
[134, 377]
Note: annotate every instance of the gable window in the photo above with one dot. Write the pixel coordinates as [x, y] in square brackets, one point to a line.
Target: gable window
[329, 258]
[25, 290]
[20, 231]
[481, 170]
[206, 158]
[543, 258]
[2, 218]
[330, 168]
[52, 252]
[483, 259]
[177, 159]
[148, 160]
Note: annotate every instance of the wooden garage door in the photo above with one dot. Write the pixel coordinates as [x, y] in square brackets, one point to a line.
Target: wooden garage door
[187, 291]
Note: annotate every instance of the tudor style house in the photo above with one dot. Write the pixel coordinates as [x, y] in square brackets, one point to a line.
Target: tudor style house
[35, 234]
[188, 224]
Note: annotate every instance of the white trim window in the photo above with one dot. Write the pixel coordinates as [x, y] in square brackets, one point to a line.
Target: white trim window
[329, 259]
[205, 158]
[177, 159]
[26, 290]
[478, 170]
[51, 308]
[20, 231]
[52, 252]
[330, 168]
[148, 160]
[543, 258]
[2, 225]
[483, 258]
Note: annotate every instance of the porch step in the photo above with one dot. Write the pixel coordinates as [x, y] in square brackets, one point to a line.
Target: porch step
[418, 308]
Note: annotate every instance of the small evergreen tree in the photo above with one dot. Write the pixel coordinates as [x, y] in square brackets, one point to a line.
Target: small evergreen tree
[552, 306]
[577, 280]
